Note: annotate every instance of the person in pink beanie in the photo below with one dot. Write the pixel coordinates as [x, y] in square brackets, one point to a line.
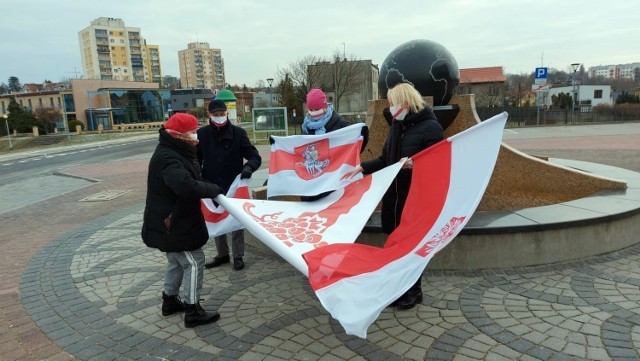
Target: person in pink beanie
[321, 118]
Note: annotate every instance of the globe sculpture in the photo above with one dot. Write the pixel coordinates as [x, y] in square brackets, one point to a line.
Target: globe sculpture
[426, 65]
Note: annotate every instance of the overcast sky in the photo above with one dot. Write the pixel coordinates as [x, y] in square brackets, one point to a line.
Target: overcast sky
[40, 37]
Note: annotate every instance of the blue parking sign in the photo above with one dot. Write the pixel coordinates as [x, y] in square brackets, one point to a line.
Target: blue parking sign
[541, 73]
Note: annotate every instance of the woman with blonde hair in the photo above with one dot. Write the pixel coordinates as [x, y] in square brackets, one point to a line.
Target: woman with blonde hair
[414, 127]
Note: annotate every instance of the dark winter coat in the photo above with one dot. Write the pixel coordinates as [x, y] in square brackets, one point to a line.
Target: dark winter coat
[222, 151]
[173, 221]
[407, 137]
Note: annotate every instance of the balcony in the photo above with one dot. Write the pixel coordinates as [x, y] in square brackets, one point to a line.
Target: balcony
[103, 49]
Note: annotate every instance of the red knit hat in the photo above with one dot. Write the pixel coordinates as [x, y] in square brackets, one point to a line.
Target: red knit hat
[316, 99]
[181, 122]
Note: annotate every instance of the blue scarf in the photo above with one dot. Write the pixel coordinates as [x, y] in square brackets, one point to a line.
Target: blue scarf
[317, 125]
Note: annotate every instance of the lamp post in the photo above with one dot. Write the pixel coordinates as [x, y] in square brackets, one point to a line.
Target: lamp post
[574, 99]
[6, 123]
[270, 81]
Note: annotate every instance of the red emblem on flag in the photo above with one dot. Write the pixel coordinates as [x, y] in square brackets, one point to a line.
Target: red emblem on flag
[313, 159]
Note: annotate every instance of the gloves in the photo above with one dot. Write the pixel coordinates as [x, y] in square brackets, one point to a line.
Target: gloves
[215, 190]
[246, 172]
[387, 115]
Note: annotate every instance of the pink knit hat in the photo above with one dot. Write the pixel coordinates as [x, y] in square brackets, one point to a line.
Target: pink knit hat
[316, 99]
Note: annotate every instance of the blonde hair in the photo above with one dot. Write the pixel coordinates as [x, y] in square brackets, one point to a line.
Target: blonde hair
[405, 93]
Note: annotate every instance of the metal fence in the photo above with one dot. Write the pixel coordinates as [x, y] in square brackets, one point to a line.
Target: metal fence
[531, 116]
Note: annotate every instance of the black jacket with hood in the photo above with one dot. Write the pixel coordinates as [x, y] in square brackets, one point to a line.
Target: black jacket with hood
[173, 221]
[407, 137]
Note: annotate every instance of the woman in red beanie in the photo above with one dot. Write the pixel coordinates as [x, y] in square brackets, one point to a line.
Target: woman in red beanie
[173, 222]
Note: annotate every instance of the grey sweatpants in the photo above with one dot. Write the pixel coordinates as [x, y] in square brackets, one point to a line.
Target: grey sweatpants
[237, 244]
[185, 268]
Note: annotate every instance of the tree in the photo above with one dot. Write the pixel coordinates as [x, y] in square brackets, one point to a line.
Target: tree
[288, 96]
[301, 74]
[46, 118]
[562, 101]
[626, 97]
[20, 119]
[14, 83]
[4, 89]
[347, 77]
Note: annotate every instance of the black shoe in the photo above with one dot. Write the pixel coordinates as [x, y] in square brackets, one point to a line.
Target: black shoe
[409, 300]
[217, 261]
[195, 316]
[171, 305]
[238, 263]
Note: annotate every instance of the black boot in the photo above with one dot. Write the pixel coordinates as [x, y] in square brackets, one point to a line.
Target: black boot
[238, 263]
[217, 261]
[195, 316]
[171, 305]
[412, 297]
[409, 300]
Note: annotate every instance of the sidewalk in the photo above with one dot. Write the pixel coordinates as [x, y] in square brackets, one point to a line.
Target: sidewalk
[76, 282]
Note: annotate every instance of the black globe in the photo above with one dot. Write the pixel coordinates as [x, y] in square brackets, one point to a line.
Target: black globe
[426, 65]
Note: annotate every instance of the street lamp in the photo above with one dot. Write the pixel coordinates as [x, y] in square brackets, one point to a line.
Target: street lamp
[270, 81]
[574, 66]
[6, 123]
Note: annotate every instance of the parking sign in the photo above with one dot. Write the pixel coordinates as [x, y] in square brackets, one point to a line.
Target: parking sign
[540, 75]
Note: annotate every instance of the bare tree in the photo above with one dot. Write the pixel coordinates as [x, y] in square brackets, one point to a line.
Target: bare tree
[46, 118]
[302, 74]
[347, 76]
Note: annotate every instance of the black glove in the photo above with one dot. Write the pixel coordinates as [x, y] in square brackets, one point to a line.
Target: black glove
[387, 115]
[215, 190]
[271, 140]
[246, 172]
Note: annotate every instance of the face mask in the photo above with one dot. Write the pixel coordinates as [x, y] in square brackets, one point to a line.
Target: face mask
[398, 113]
[316, 113]
[193, 136]
[219, 121]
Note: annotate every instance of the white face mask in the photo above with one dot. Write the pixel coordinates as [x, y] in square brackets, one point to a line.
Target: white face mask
[316, 113]
[398, 112]
[193, 136]
[219, 120]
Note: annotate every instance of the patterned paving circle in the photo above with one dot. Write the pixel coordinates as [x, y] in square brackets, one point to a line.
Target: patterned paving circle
[96, 292]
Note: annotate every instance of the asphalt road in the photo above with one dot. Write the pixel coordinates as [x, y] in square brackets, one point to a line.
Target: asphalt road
[30, 180]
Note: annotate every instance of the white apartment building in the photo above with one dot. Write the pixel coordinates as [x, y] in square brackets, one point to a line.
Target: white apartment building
[201, 67]
[112, 51]
[619, 71]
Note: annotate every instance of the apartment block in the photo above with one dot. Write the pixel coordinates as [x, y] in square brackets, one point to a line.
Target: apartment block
[201, 67]
[618, 71]
[110, 50]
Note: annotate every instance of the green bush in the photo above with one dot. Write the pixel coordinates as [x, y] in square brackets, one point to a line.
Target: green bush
[73, 123]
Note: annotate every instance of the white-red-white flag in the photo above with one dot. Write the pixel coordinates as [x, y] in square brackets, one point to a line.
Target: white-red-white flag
[294, 228]
[307, 165]
[218, 220]
[355, 282]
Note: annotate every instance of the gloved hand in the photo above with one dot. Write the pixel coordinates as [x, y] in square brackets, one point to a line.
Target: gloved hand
[246, 172]
[387, 115]
[215, 190]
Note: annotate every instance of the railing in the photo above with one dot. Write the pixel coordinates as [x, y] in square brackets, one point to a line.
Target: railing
[138, 126]
[529, 116]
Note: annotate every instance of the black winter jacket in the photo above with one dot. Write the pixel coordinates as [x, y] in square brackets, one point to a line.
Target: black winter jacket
[222, 151]
[174, 190]
[407, 137]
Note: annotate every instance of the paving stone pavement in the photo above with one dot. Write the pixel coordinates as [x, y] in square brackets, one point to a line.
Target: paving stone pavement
[78, 283]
